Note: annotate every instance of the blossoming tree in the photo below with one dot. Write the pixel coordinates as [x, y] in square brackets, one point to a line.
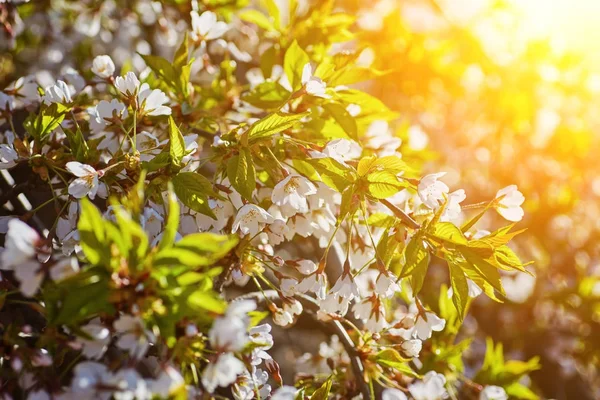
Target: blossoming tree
[201, 201]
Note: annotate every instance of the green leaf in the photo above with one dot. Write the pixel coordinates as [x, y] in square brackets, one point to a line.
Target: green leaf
[417, 263]
[392, 359]
[322, 393]
[209, 301]
[172, 225]
[267, 95]
[272, 124]
[257, 18]
[193, 190]
[293, 63]
[520, 391]
[343, 118]
[381, 220]
[83, 298]
[326, 170]
[180, 59]
[162, 160]
[460, 288]
[176, 144]
[383, 184]
[92, 234]
[78, 145]
[197, 250]
[242, 173]
[483, 268]
[163, 69]
[449, 232]
[47, 120]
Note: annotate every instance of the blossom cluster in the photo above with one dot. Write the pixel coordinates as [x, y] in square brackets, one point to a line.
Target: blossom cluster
[202, 203]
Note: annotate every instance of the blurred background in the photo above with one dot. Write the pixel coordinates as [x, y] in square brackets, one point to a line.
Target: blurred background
[506, 92]
[495, 92]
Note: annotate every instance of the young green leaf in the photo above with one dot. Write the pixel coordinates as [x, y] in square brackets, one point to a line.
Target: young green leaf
[172, 220]
[293, 63]
[92, 234]
[176, 144]
[242, 174]
[460, 288]
[272, 124]
[193, 190]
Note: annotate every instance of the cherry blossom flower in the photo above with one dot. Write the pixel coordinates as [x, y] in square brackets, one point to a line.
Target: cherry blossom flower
[393, 394]
[291, 193]
[57, 93]
[285, 393]
[424, 325]
[453, 209]
[134, 337]
[88, 379]
[103, 66]
[206, 26]
[25, 90]
[385, 285]
[432, 191]
[342, 150]
[96, 346]
[432, 387]
[7, 102]
[87, 183]
[223, 372]
[151, 102]
[509, 205]
[312, 84]
[493, 393]
[412, 347]
[8, 157]
[20, 244]
[251, 219]
[372, 313]
[63, 269]
[168, 382]
[106, 112]
[128, 85]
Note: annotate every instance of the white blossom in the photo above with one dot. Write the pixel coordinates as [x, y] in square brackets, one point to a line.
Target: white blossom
[432, 387]
[206, 26]
[57, 93]
[251, 219]
[291, 193]
[222, 373]
[133, 335]
[103, 66]
[493, 393]
[86, 184]
[128, 85]
[393, 394]
[312, 84]
[96, 346]
[168, 382]
[285, 393]
[412, 347]
[20, 244]
[151, 102]
[8, 156]
[432, 191]
[424, 325]
[509, 206]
